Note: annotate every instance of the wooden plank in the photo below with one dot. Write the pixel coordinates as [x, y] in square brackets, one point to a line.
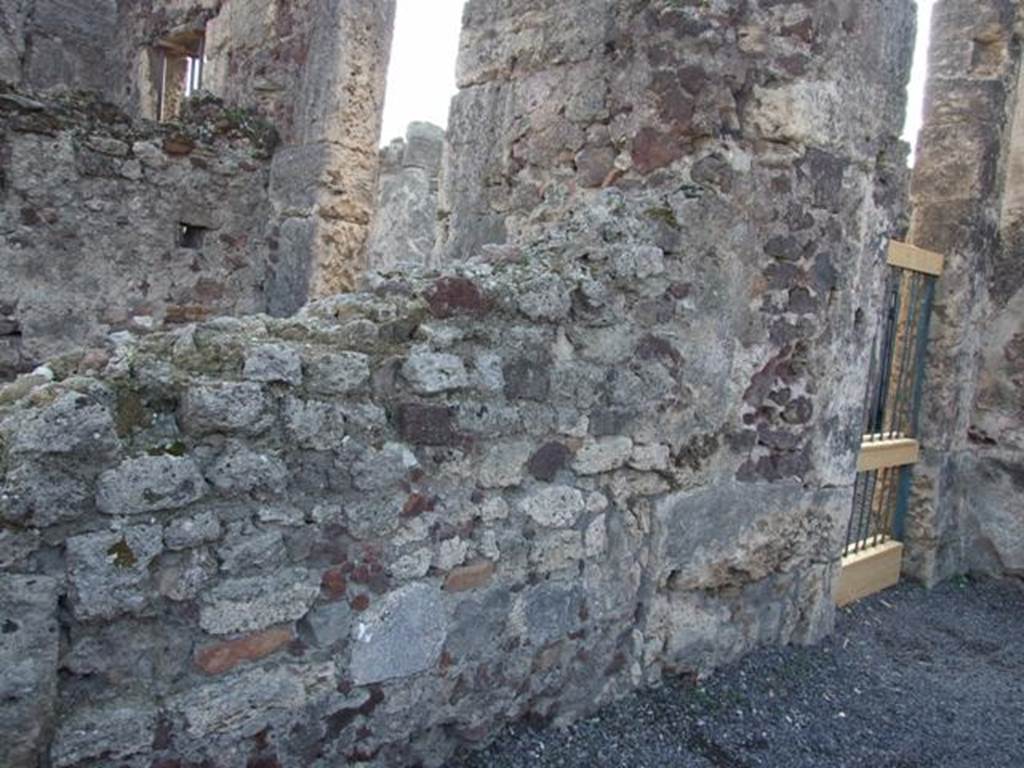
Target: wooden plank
[870, 571]
[881, 454]
[916, 259]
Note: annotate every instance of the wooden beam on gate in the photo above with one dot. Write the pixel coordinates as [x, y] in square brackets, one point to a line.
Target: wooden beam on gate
[869, 571]
[916, 259]
[882, 454]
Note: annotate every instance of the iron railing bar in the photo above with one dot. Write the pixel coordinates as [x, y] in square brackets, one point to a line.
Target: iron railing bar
[881, 386]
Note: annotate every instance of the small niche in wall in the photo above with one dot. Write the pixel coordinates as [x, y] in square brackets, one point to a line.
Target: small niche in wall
[191, 236]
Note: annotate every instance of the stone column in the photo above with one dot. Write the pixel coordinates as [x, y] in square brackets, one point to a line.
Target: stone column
[405, 219]
[318, 70]
[958, 203]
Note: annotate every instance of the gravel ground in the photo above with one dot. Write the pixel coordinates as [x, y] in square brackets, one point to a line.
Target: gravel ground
[911, 679]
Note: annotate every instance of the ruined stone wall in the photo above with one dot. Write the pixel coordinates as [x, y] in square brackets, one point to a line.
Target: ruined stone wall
[316, 68]
[92, 210]
[618, 446]
[967, 186]
[404, 230]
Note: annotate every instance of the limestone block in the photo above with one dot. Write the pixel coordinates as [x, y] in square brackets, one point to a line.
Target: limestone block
[104, 733]
[149, 484]
[555, 506]
[401, 635]
[29, 643]
[108, 573]
[227, 408]
[258, 602]
[270, 363]
[339, 373]
[433, 373]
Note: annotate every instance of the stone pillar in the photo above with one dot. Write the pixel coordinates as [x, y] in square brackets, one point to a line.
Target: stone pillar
[751, 154]
[318, 69]
[961, 487]
[405, 219]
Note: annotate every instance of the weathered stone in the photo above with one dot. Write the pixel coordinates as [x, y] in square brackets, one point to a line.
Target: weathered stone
[526, 379]
[552, 611]
[649, 458]
[241, 470]
[337, 373]
[503, 465]
[108, 573]
[244, 704]
[74, 423]
[427, 425]
[603, 455]
[107, 733]
[555, 550]
[183, 576]
[246, 549]
[545, 298]
[218, 658]
[549, 460]
[555, 506]
[401, 635]
[329, 624]
[405, 221]
[185, 533]
[377, 470]
[255, 603]
[227, 408]
[29, 644]
[314, 424]
[149, 484]
[270, 363]
[468, 577]
[432, 373]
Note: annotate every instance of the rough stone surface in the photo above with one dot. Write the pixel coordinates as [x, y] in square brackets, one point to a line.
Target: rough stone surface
[967, 192]
[149, 484]
[93, 220]
[108, 573]
[250, 604]
[29, 641]
[404, 230]
[726, 267]
[401, 636]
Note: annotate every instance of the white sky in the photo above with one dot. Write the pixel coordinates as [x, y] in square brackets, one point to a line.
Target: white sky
[421, 80]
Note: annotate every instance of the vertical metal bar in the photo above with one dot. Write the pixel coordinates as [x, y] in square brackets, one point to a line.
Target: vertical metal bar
[899, 524]
[878, 409]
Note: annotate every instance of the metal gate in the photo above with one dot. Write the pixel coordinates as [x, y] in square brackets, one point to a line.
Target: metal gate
[890, 448]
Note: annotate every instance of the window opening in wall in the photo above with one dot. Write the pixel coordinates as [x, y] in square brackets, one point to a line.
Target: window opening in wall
[191, 236]
[182, 58]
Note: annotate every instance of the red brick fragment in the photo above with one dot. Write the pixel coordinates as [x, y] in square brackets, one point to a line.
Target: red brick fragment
[218, 658]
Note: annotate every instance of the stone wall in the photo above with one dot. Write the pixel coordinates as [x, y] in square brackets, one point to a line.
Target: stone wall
[616, 442]
[315, 68]
[967, 187]
[109, 224]
[318, 69]
[404, 231]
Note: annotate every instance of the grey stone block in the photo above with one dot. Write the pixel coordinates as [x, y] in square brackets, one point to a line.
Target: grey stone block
[29, 643]
[399, 636]
[149, 484]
